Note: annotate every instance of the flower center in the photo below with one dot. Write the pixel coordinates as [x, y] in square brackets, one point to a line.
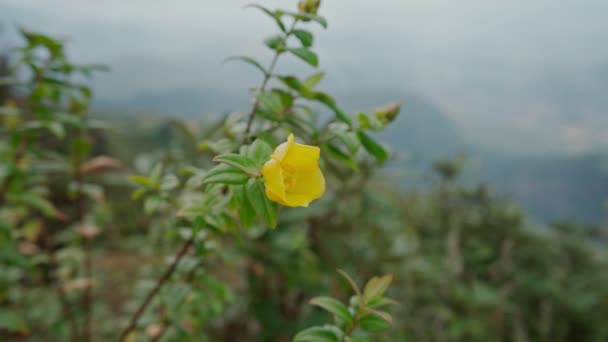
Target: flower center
[289, 177]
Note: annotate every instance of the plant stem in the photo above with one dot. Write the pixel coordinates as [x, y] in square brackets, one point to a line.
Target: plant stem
[88, 292]
[256, 102]
[65, 303]
[267, 77]
[81, 211]
[353, 325]
[159, 284]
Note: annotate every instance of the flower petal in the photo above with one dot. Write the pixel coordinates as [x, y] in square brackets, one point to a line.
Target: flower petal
[308, 186]
[273, 180]
[281, 150]
[300, 156]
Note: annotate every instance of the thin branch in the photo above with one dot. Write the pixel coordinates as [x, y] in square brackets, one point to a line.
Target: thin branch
[256, 102]
[61, 294]
[87, 299]
[267, 77]
[159, 284]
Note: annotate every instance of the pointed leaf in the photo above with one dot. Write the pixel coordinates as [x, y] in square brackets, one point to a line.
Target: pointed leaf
[276, 15]
[275, 43]
[245, 209]
[169, 182]
[259, 151]
[384, 315]
[305, 37]
[373, 147]
[325, 333]
[225, 174]
[238, 161]
[247, 60]
[351, 141]
[340, 156]
[334, 307]
[265, 208]
[352, 283]
[270, 102]
[312, 80]
[306, 55]
[380, 302]
[143, 181]
[329, 101]
[293, 83]
[308, 17]
[373, 323]
[376, 287]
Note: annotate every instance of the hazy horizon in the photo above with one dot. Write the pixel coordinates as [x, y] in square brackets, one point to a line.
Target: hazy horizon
[505, 73]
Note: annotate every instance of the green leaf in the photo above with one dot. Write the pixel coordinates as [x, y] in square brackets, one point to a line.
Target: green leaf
[357, 339]
[334, 307]
[276, 15]
[329, 101]
[369, 122]
[153, 203]
[270, 102]
[265, 208]
[247, 60]
[351, 141]
[373, 147]
[340, 156]
[327, 333]
[225, 174]
[384, 315]
[275, 42]
[312, 80]
[305, 37]
[240, 162]
[143, 181]
[286, 97]
[69, 119]
[245, 209]
[157, 171]
[337, 127]
[293, 83]
[376, 287]
[12, 322]
[352, 283]
[308, 17]
[56, 129]
[380, 302]
[137, 194]
[259, 151]
[197, 225]
[306, 55]
[373, 323]
[169, 182]
[37, 202]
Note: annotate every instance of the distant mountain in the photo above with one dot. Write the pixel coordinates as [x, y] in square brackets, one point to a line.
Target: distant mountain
[421, 132]
[552, 187]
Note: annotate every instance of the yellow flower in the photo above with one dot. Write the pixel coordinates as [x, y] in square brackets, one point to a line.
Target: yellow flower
[292, 175]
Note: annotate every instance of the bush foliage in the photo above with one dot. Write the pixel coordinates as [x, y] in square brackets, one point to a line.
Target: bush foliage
[171, 232]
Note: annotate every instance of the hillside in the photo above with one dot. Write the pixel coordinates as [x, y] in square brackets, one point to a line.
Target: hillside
[550, 188]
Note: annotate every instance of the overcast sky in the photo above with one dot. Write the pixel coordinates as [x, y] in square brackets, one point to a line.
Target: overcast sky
[487, 64]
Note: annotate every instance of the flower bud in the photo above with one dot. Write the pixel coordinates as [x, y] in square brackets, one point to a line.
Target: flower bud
[387, 113]
[309, 6]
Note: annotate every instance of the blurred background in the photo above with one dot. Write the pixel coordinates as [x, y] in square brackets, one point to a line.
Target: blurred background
[500, 147]
[518, 86]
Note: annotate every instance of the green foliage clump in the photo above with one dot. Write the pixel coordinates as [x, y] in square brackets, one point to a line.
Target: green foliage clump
[177, 240]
